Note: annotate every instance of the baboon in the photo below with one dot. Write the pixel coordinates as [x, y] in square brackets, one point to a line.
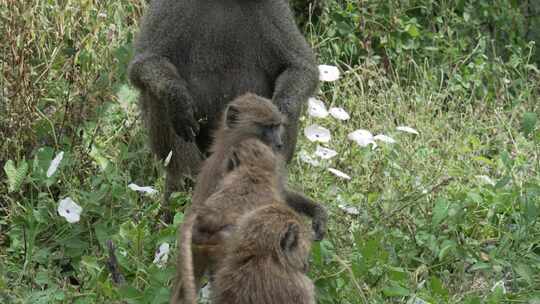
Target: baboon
[255, 179]
[193, 56]
[266, 260]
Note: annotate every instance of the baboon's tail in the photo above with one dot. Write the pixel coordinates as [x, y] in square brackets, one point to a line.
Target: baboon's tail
[186, 254]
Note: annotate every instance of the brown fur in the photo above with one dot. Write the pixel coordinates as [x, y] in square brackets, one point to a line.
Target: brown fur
[258, 180]
[265, 261]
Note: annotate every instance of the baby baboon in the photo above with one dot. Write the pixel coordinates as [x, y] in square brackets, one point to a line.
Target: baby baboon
[192, 57]
[266, 260]
[254, 180]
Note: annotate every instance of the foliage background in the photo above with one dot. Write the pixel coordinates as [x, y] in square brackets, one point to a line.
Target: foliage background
[430, 229]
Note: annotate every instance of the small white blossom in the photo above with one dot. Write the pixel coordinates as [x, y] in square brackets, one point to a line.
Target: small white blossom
[339, 113]
[147, 189]
[407, 129]
[499, 284]
[338, 173]
[69, 210]
[325, 153]
[55, 163]
[317, 133]
[384, 138]
[168, 159]
[162, 255]
[328, 73]
[485, 180]
[316, 108]
[348, 209]
[305, 157]
[362, 137]
[416, 300]
[102, 15]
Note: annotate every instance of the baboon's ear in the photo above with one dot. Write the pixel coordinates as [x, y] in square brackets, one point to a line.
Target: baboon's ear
[289, 238]
[233, 161]
[231, 116]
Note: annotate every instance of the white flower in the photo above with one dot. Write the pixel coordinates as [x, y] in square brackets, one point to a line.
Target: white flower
[305, 157]
[328, 73]
[362, 137]
[339, 113]
[486, 179]
[148, 190]
[384, 138]
[317, 133]
[55, 163]
[407, 129]
[316, 108]
[102, 15]
[69, 210]
[167, 159]
[162, 255]
[350, 210]
[499, 284]
[325, 153]
[338, 173]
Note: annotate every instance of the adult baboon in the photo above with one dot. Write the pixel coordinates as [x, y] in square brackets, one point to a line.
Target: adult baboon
[266, 260]
[194, 56]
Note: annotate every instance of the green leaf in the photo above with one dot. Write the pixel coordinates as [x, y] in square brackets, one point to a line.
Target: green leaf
[413, 31]
[15, 175]
[528, 123]
[446, 248]
[525, 272]
[395, 290]
[440, 211]
[437, 287]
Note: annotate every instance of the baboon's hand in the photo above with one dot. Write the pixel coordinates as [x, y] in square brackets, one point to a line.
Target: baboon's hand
[319, 227]
[183, 121]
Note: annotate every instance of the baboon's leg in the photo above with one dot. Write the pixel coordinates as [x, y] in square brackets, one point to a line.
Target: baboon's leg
[291, 134]
[181, 170]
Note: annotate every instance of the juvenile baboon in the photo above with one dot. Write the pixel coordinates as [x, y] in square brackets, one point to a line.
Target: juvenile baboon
[252, 116]
[193, 56]
[255, 179]
[266, 260]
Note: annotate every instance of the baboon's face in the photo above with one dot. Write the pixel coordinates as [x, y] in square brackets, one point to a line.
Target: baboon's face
[254, 116]
[272, 135]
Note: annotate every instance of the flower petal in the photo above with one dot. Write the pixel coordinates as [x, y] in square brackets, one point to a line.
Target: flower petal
[55, 163]
[338, 173]
[407, 129]
[486, 180]
[167, 159]
[305, 157]
[162, 255]
[328, 72]
[147, 189]
[339, 113]
[317, 133]
[349, 209]
[316, 108]
[384, 138]
[362, 137]
[325, 153]
[69, 210]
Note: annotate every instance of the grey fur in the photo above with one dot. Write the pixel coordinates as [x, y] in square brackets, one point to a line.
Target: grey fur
[194, 56]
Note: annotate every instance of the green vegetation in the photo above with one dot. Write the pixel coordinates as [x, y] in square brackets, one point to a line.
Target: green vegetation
[447, 216]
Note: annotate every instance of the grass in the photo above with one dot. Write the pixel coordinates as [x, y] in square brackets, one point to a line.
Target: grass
[430, 227]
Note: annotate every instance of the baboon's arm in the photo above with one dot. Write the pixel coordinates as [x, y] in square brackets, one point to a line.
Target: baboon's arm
[302, 204]
[157, 76]
[300, 76]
